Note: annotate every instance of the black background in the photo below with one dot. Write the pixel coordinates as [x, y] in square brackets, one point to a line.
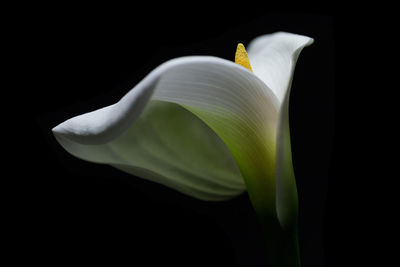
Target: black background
[74, 211]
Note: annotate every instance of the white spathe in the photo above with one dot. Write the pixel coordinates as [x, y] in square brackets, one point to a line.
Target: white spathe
[200, 124]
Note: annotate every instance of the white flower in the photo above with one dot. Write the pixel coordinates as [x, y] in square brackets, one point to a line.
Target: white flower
[204, 126]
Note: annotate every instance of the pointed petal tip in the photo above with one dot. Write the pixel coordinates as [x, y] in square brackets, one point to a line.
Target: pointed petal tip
[57, 130]
[64, 130]
[310, 41]
[60, 131]
[306, 39]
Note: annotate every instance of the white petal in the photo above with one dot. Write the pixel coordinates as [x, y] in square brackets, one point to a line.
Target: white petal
[230, 99]
[169, 145]
[273, 58]
[241, 109]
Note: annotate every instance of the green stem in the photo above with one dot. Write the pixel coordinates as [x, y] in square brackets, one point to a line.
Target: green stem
[282, 244]
[277, 213]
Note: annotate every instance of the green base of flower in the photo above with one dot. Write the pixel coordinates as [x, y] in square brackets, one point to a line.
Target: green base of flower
[282, 244]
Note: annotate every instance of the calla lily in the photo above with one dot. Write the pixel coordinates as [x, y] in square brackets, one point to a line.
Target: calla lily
[211, 129]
